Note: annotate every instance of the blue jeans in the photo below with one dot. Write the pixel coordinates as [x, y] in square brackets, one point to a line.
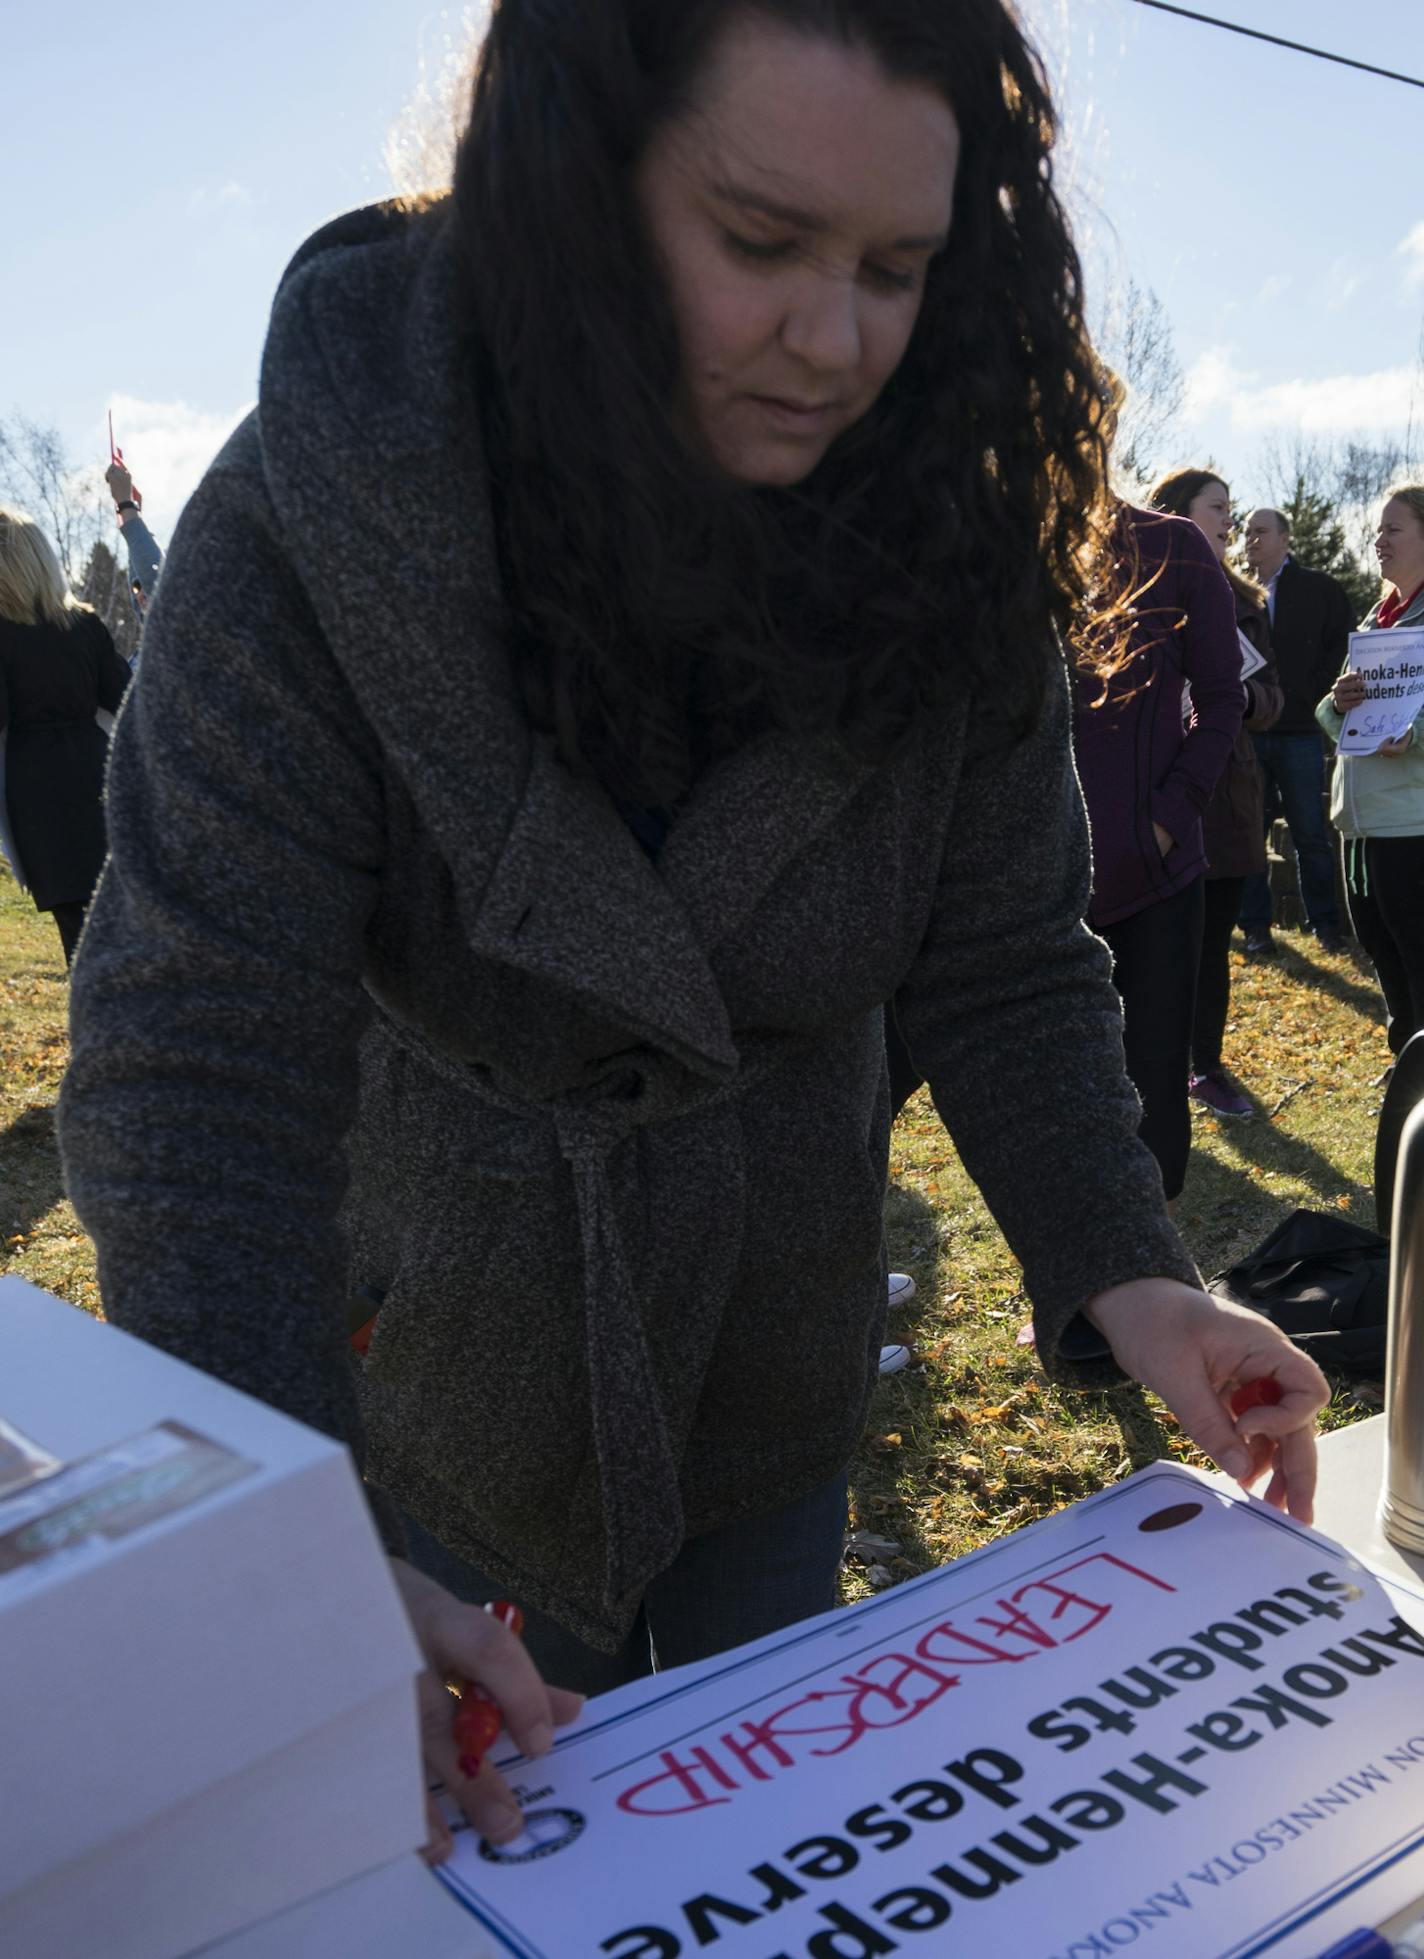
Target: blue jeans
[1294, 770]
[733, 1584]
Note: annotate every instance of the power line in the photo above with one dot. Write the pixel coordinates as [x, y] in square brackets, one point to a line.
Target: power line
[1277, 41]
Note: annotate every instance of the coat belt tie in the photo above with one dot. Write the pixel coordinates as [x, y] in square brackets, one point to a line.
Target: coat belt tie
[638, 1478]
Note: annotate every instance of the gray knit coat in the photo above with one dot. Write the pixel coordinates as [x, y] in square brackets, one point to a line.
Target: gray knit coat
[375, 992]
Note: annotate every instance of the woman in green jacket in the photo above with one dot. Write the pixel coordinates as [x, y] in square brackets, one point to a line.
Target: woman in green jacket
[1377, 800]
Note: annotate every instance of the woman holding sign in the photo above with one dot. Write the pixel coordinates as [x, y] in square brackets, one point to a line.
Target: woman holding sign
[1377, 801]
[731, 446]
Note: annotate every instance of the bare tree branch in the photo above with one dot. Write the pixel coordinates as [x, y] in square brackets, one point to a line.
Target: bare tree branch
[1332, 491]
[37, 474]
[1137, 343]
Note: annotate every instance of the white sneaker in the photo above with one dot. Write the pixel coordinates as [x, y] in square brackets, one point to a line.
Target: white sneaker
[894, 1357]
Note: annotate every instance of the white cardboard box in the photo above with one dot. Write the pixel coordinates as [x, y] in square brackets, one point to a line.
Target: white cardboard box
[207, 1717]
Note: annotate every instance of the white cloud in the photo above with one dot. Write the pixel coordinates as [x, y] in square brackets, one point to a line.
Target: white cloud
[1341, 284]
[1411, 249]
[1334, 404]
[1213, 379]
[1272, 287]
[167, 445]
[1327, 405]
[230, 197]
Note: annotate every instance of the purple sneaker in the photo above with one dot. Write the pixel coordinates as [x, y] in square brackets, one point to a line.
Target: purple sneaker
[1216, 1091]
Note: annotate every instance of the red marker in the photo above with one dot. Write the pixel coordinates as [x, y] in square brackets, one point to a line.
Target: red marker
[478, 1719]
[1264, 1392]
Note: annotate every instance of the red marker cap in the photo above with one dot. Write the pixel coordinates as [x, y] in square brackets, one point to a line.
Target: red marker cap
[1264, 1392]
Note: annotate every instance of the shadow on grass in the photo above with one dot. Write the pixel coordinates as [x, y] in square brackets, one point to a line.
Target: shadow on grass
[1267, 1147]
[913, 1245]
[1359, 993]
[29, 1171]
[904, 1401]
[911, 1233]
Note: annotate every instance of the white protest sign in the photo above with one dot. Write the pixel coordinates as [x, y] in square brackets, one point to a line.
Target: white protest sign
[1251, 660]
[1393, 665]
[1165, 1715]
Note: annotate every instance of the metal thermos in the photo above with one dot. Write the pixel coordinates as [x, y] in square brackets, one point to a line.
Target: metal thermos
[1402, 1499]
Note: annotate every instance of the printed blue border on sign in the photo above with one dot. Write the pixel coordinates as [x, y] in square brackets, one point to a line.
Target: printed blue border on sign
[1263, 1940]
[509, 1936]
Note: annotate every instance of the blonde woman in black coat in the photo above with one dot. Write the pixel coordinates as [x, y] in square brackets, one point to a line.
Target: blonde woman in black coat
[58, 669]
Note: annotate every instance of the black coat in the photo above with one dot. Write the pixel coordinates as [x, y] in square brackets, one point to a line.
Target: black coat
[1310, 629]
[53, 680]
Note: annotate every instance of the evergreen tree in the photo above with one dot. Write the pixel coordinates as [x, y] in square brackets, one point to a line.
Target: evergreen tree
[1318, 541]
[105, 586]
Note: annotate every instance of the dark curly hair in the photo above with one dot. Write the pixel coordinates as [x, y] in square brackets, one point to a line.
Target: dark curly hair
[662, 616]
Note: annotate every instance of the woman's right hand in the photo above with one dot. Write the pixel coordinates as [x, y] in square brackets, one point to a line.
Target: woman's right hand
[1349, 692]
[462, 1641]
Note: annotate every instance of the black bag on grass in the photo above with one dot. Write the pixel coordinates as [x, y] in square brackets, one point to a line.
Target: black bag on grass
[1323, 1280]
[1325, 1284]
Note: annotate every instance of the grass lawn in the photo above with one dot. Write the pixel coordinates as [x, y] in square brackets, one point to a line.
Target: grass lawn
[970, 1440]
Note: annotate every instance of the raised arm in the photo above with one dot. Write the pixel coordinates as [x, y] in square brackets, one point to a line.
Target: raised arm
[145, 558]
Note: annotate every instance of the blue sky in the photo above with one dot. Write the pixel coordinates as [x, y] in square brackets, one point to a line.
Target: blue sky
[175, 157]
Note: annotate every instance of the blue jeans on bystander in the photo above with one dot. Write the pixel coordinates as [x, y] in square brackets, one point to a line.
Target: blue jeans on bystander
[1294, 771]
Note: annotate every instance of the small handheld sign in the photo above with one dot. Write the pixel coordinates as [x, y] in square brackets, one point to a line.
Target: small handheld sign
[1391, 664]
[117, 456]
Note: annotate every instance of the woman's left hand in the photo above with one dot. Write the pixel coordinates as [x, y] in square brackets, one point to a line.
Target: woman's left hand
[1166, 842]
[1195, 1351]
[1406, 740]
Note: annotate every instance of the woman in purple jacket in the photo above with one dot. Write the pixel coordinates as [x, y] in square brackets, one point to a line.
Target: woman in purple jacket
[1147, 778]
[1234, 827]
